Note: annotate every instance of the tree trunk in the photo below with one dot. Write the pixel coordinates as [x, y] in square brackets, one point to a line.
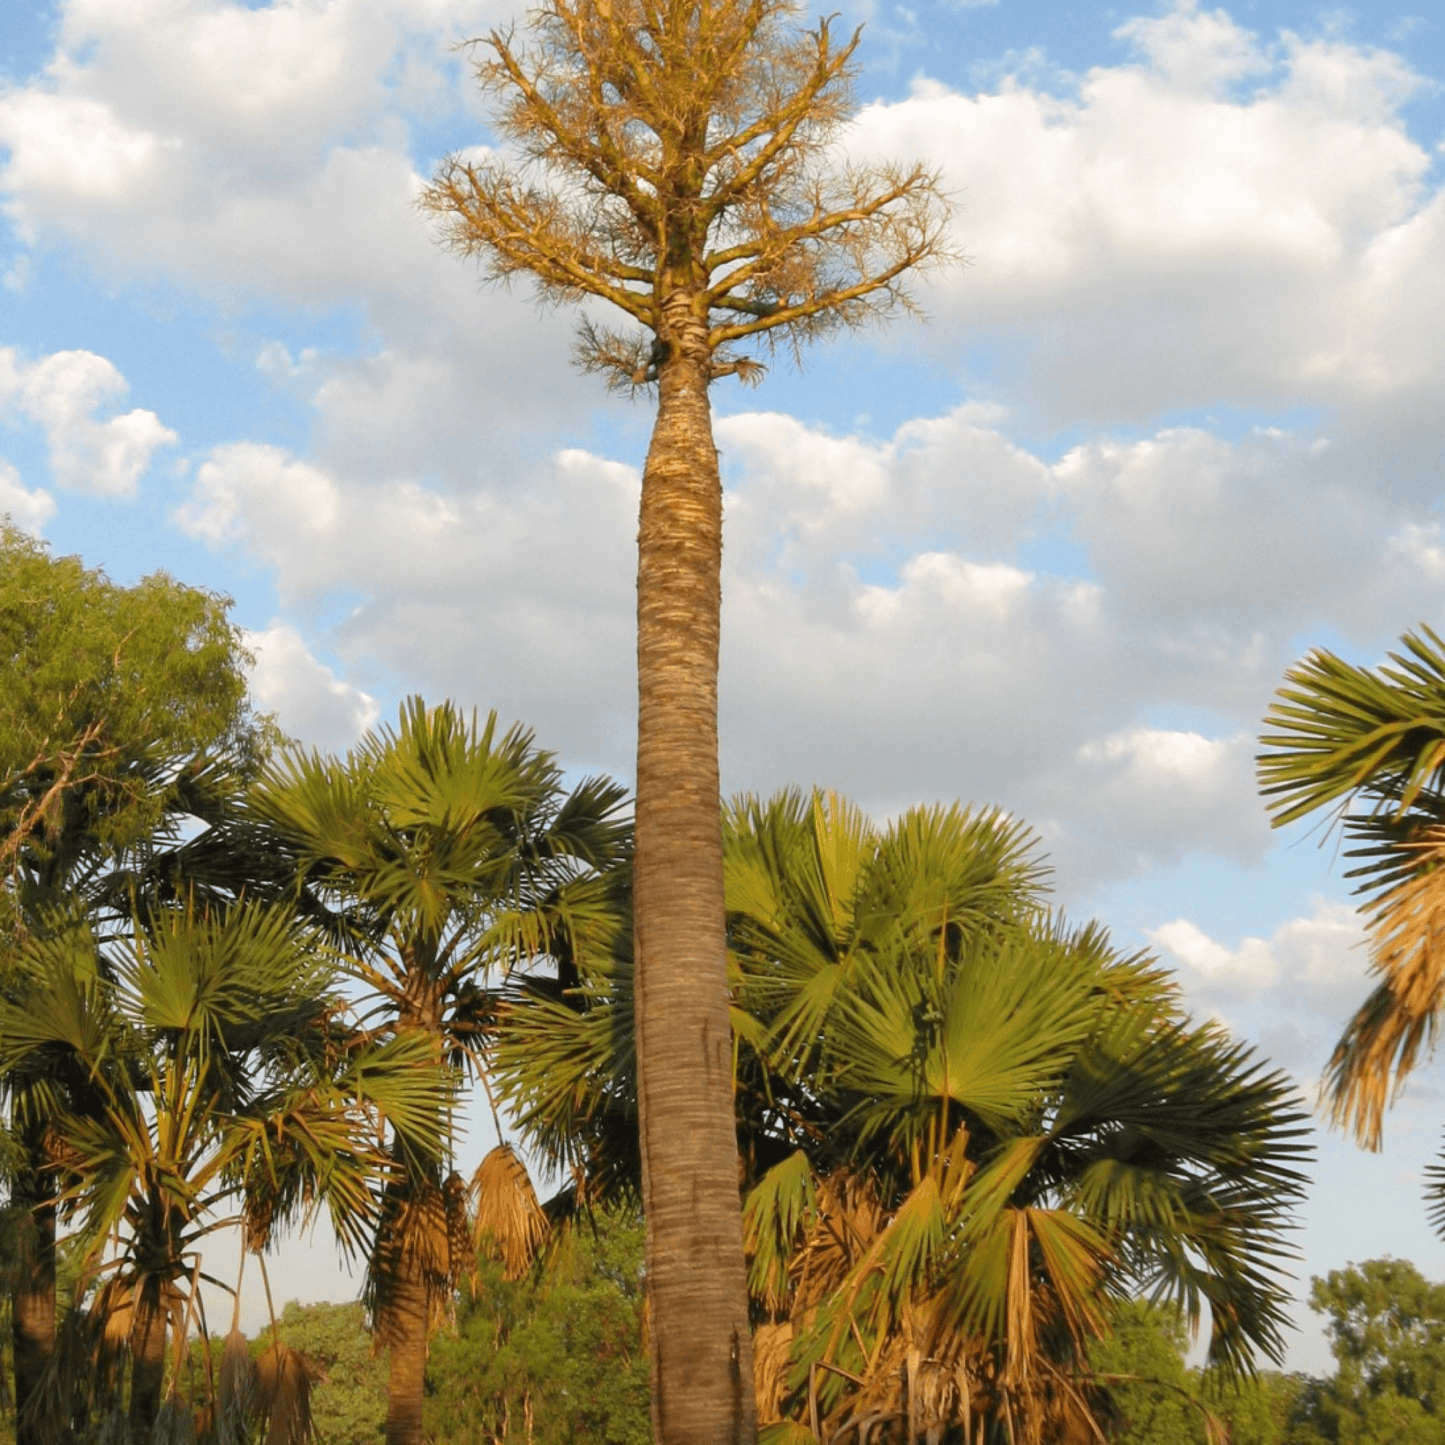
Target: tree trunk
[148, 1368]
[406, 1330]
[32, 1321]
[702, 1386]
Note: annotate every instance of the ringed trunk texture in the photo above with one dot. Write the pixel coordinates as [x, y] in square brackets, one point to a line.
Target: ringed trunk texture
[407, 1318]
[33, 1319]
[702, 1377]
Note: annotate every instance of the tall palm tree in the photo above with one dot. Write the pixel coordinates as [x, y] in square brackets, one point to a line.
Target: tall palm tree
[677, 162]
[203, 1061]
[965, 1127]
[448, 856]
[1365, 747]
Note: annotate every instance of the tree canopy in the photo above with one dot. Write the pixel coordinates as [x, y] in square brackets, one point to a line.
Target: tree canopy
[111, 695]
[966, 1126]
[678, 162]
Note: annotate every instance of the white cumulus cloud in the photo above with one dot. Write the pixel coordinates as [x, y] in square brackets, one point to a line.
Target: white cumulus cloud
[63, 393]
[27, 509]
[311, 704]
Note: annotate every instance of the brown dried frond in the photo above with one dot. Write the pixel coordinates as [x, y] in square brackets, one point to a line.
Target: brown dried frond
[848, 1217]
[928, 1381]
[110, 1321]
[456, 1201]
[237, 1396]
[1398, 1021]
[204, 1424]
[415, 1250]
[507, 1218]
[283, 1395]
[174, 1425]
[114, 1429]
[67, 1388]
[772, 1364]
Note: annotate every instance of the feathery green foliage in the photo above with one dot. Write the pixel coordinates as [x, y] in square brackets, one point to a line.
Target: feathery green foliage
[114, 698]
[554, 1358]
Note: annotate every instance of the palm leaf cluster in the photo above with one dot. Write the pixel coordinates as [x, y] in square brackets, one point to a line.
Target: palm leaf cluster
[441, 857]
[1365, 748]
[967, 1128]
[267, 1006]
[189, 1072]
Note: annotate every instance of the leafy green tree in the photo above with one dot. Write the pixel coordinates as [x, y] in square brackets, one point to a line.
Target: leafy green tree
[555, 1359]
[448, 855]
[115, 705]
[348, 1399]
[112, 695]
[676, 163]
[1154, 1398]
[1386, 1325]
[1152, 1394]
[1366, 746]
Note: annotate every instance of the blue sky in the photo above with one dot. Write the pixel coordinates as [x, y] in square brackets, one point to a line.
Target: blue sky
[1176, 421]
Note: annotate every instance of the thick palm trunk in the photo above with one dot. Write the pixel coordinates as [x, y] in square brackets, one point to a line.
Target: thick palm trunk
[702, 1356]
[406, 1328]
[33, 1307]
[148, 1368]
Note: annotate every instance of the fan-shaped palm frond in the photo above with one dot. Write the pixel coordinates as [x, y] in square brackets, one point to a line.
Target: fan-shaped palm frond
[203, 1057]
[977, 1123]
[448, 859]
[1367, 747]
[966, 1126]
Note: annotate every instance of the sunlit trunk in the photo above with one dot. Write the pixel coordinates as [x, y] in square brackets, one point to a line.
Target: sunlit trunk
[148, 1368]
[33, 1308]
[406, 1327]
[701, 1350]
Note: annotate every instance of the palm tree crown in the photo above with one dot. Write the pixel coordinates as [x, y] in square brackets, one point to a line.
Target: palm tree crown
[966, 1127]
[973, 1125]
[443, 855]
[1366, 747]
[201, 1058]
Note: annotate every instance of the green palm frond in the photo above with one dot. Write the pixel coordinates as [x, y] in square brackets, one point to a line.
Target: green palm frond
[63, 1006]
[1368, 746]
[991, 1035]
[775, 1214]
[973, 1124]
[1435, 1194]
[1336, 730]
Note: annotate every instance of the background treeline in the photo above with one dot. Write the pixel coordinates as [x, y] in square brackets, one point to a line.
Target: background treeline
[560, 1358]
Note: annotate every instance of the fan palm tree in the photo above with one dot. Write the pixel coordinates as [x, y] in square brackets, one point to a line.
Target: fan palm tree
[990, 1124]
[448, 855]
[92, 862]
[966, 1128]
[207, 1078]
[1365, 747]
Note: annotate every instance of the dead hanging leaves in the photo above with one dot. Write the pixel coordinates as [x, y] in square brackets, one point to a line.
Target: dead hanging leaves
[507, 1221]
[916, 1376]
[1397, 1023]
